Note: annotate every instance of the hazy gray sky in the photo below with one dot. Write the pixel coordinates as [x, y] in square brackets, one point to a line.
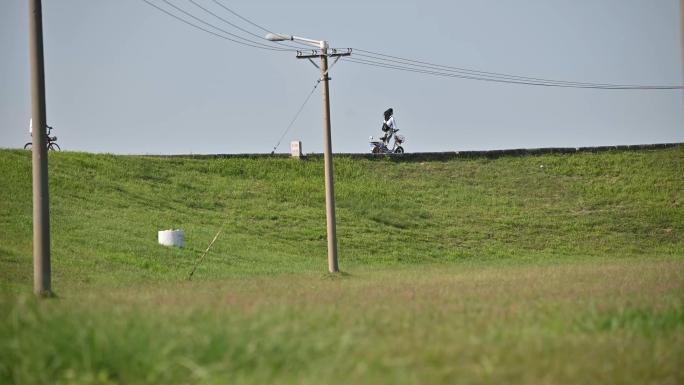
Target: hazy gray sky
[123, 77]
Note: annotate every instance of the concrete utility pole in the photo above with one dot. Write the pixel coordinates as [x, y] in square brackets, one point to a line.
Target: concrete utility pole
[681, 28]
[41, 204]
[327, 159]
[323, 52]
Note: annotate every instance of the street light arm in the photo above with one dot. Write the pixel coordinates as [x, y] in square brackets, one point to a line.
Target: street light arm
[322, 44]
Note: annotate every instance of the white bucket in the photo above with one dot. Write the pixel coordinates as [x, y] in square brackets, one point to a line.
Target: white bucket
[171, 238]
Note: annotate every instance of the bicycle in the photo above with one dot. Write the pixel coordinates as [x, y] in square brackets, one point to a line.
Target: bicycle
[51, 142]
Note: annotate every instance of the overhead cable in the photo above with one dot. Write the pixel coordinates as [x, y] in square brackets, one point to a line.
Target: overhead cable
[382, 60]
[500, 80]
[249, 43]
[220, 29]
[220, 4]
[466, 71]
[235, 25]
[296, 116]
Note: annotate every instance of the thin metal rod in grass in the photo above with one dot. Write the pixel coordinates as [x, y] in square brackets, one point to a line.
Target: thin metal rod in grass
[199, 260]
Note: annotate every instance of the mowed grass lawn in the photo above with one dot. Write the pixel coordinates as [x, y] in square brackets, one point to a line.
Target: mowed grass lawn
[547, 269]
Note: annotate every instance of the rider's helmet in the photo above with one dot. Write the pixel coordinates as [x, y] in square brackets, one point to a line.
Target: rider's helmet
[388, 113]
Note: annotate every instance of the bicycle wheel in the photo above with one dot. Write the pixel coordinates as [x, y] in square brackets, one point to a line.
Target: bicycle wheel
[28, 146]
[54, 147]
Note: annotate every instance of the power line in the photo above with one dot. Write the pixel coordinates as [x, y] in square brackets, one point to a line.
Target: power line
[218, 28]
[499, 80]
[235, 25]
[241, 17]
[246, 19]
[438, 67]
[381, 60]
[296, 115]
[418, 66]
[461, 76]
[250, 44]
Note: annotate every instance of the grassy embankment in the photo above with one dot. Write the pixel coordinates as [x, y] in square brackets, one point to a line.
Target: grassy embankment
[469, 270]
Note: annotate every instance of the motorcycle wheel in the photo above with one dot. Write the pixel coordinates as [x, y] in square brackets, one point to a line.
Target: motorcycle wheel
[376, 150]
[399, 150]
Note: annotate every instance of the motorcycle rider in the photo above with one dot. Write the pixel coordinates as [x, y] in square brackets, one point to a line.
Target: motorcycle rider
[388, 125]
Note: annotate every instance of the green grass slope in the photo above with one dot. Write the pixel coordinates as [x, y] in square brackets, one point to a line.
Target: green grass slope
[106, 211]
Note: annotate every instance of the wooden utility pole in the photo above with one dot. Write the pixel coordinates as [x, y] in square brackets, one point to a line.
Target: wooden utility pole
[41, 205]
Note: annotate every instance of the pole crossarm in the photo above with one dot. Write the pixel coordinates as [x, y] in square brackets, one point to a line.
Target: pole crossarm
[319, 52]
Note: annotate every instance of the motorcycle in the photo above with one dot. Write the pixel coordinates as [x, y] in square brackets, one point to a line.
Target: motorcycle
[380, 146]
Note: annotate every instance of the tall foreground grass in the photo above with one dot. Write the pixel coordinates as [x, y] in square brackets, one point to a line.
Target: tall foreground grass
[558, 269]
[616, 322]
